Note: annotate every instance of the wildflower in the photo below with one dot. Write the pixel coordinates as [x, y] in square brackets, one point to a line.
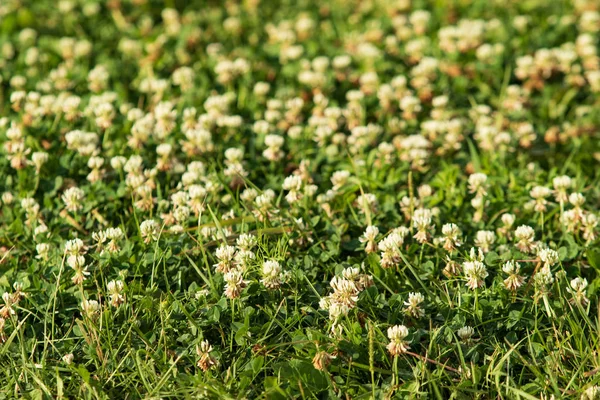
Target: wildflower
[72, 198]
[292, 184]
[484, 240]
[345, 293]
[465, 333]
[578, 286]
[589, 223]
[246, 241]
[475, 254]
[452, 268]
[543, 278]
[422, 222]
[478, 203]
[273, 151]
[339, 179]
[514, 280]
[390, 249]
[243, 258]
[2, 334]
[43, 251]
[7, 198]
[7, 308]
[207, 361]
[75, 247]
[369, 238]
[477, 184]
[225, 254]
[475, 272]
[577, 200]
[114, 235]
[115, 289]
[40, 230]
[234, 284]
[397, 335]
[264, 205]
[149, 230]
[452, 234]
[539, 195]
[591, 393]
[91, 308]
[321, 360]
[561, 185]
[548, 256]
[272, 274]
[413, 305]
[367, 201]
[68, 358]
[38, 159]
[508, 221]
[524, 235]
[408, 205]
[424, 191]
[77, 263]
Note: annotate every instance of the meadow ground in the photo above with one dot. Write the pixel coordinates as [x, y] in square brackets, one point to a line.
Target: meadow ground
[299, 199]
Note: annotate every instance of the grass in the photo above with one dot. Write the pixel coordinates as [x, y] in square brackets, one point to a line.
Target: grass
[359, 199]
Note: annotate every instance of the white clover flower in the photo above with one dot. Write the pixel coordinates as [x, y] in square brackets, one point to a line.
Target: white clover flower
[74, 247]
[524, 235]
[397, 335]
[591, 393]
[390, 249]
[7, 198]
[339, 179]
[561, 184]
[72, 198]
[452, 237]
[91, 308]
[115, 289]
[543, 278]
[351, 273]
[114, 235]
[225, 254]
[508, 221]
[475, 273]
[576, 199]
[77, 263]
[579, 286]
[38, 159]
[40, 230]
[413, 305]
[234, 284]
[421, 220]
[206, 361]
[484, 240]
[271, 274]
[43, 251]
[68, 358]
[539, 195]
[292, 184]
[477, 184]
[369, 237]
[548, 256]
[514, 280]
[246, 241]
[367, 201]
[465, 333]
[273, 151]
[589, 223]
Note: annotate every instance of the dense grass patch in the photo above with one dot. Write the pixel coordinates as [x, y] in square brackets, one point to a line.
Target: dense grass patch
[299, 199]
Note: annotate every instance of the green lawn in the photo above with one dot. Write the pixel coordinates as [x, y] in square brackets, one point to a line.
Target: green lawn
[358, 199]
